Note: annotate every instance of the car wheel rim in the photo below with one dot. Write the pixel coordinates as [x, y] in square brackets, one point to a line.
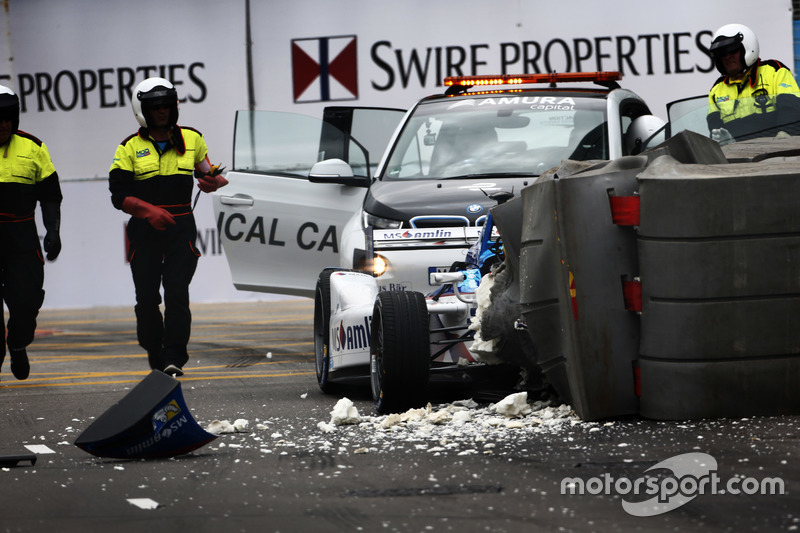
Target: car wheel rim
[376, 361]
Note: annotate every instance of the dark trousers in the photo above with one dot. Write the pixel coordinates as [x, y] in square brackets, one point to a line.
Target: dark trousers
[21, 281]
[165, 259]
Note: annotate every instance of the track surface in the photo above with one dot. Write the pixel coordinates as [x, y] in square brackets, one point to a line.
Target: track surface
[254, 362]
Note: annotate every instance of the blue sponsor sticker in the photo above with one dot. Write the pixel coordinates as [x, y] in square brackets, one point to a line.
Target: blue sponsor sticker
[143, 153]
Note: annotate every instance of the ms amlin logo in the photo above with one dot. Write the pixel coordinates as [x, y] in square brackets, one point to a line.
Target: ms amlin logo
[657, 492]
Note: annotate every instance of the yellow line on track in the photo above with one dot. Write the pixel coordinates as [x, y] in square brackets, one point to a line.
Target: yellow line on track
[95, 357]
[232, 349]
[54, 359]
[25, 385]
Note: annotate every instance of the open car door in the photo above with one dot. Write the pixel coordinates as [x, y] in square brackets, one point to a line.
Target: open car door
[278, 229]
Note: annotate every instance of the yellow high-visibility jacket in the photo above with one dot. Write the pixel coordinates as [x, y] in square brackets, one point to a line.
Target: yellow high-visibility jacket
[162, 178]
[765, 98]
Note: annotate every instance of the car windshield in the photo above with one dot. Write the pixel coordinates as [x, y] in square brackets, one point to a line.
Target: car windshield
[498, 135]
[744, 118]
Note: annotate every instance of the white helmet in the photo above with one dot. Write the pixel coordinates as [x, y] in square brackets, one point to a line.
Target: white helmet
[640, 130]
[734, 36]
[9, 107]
[152, 92]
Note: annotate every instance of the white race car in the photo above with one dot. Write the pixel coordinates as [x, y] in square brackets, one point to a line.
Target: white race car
[404, 335]
[304, 197]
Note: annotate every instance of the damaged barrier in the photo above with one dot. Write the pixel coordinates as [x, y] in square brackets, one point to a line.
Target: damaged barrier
[666, 284]
[574, 260]
[719, 255]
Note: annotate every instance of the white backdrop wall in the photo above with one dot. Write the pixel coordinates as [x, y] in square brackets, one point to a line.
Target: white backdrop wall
[74, 62]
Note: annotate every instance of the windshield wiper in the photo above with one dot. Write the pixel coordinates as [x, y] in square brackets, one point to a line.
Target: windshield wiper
[479, 175]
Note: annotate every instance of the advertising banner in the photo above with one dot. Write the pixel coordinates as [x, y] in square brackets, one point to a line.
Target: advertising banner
[74, 65]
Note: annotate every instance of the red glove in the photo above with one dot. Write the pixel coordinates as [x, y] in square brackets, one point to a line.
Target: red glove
[158, 217]
[210, 183]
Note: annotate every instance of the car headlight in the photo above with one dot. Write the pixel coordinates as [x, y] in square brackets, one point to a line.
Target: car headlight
[379, 265]
[380, 223]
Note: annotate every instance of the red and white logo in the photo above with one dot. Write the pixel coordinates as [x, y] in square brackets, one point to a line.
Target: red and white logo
[325, 69]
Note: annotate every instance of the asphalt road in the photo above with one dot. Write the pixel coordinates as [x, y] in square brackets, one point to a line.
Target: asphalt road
[295, 466]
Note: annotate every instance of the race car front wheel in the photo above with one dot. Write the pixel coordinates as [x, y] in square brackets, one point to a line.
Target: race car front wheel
[399, 351]
[322, 318]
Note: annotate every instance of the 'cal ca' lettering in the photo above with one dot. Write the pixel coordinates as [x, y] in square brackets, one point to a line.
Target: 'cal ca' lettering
[226, 228]
[257, 230]
[328, 240]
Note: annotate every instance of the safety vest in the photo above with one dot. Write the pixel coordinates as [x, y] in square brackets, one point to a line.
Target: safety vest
[165, 178]
[24, 166]
[755, 94]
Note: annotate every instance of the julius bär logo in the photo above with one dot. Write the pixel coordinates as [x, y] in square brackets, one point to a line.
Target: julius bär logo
[324, 69]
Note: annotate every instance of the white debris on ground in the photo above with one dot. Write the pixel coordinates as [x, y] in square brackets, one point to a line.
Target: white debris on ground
[462, 427]
[514, 405]
[344, 412]
[218, 427]
[144, 503]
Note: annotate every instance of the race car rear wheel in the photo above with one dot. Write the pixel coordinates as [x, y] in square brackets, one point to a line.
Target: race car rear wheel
[322, 318]
[399, 351]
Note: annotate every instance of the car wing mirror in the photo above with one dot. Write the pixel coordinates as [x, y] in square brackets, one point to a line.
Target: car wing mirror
[336, 171]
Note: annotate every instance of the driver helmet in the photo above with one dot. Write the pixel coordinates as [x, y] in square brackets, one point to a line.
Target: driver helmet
[640, 130]
[732, 37]
[9, 107]
[153, 92]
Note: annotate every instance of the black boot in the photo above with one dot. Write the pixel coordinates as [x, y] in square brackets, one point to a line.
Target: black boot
[174, 359]
[20, 366]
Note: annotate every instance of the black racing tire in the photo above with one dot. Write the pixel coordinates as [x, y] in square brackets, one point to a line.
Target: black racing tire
[322, 318]
[399, 351]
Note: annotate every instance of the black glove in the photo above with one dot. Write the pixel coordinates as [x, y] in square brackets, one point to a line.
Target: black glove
[52, 245]
[51, 216]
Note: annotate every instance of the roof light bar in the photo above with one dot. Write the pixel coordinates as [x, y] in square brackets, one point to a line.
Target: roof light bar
[519, 79]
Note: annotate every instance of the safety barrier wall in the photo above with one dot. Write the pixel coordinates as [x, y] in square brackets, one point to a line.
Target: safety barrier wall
[719, 256]
[667, 284]
[574, 262]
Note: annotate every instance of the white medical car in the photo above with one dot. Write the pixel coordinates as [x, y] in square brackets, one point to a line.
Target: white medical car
[310, 211]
